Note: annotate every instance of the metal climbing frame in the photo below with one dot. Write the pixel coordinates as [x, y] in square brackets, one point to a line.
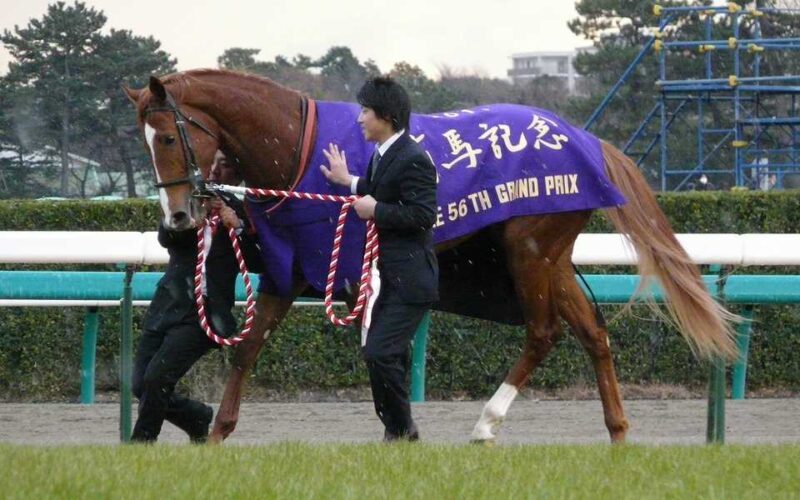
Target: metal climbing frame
[743, 121]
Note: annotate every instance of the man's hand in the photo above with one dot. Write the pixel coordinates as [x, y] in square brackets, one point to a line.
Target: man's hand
[338, 173]
[229, 217]
[215, 203]
[365, 207]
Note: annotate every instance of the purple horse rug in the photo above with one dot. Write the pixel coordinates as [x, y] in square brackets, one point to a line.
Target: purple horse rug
[493, 163]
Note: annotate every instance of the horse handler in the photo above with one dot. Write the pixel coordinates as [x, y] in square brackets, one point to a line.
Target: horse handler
[399, 193]
[172, 340]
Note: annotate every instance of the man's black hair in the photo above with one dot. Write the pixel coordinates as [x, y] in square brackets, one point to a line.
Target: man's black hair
[388, 99]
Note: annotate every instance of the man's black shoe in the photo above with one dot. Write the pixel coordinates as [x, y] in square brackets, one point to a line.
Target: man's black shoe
[411, 435]
[198, 434]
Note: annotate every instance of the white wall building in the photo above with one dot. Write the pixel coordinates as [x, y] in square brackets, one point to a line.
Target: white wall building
[529, 65]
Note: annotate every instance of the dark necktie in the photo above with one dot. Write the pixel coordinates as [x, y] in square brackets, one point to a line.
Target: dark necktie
[376, 158]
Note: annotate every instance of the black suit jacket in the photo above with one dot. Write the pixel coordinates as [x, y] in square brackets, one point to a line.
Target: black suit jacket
[405, 187]
[173, 301]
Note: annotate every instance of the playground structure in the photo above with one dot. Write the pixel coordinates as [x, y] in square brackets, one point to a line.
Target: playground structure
[744, 121]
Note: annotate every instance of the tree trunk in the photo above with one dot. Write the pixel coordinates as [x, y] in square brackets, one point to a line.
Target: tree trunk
[65, 132]
[121, 151]
[65, 152]
[128, 172]
[124, 157]
[22, 184]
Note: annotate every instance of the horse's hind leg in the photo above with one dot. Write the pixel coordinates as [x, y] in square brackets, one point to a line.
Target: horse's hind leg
[542, 332]
[533, 246]
[576, 310]
[270, 311]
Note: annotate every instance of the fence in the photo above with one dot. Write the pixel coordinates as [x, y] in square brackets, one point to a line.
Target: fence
[128, 288]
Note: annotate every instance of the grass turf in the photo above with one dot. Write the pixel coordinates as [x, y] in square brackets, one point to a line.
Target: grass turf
[294, 470]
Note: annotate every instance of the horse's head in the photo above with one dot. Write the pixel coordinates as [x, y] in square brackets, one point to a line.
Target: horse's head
[182, 141]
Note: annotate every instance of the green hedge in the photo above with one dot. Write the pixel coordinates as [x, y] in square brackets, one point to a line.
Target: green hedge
[40, 348]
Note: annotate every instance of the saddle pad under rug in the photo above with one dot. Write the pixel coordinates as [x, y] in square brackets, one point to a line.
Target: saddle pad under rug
[493, 163]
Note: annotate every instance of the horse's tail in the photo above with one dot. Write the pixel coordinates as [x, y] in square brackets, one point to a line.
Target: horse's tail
[704, 323]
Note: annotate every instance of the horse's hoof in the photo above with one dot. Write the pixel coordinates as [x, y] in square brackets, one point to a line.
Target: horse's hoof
[486, 443]
[618, 438]
[483, 432]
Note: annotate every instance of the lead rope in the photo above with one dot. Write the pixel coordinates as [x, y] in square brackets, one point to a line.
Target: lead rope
[370, 259]
[213, 222]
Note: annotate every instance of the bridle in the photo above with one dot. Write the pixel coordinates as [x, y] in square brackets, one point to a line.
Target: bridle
[194, 176]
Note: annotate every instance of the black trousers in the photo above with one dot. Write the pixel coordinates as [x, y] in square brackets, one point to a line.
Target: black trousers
[162, 358]
[386, 354]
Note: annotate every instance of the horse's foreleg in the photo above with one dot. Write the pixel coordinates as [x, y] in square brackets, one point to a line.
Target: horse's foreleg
[576, 310]
[270, 311]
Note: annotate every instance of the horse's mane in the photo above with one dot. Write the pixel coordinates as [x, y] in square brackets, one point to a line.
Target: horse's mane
[182, 79]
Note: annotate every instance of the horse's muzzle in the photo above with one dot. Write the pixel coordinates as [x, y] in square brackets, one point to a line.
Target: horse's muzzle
[180, 221]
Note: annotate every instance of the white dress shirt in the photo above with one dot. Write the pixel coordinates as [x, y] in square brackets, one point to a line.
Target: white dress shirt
[382, 148]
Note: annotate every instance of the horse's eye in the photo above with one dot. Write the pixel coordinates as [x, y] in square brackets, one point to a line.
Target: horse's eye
[168, 139]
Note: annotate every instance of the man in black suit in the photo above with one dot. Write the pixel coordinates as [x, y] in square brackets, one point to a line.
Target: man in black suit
[172, 340]
[399, 193]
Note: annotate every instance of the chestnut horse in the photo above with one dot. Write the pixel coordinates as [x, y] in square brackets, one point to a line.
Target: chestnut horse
[260, 125]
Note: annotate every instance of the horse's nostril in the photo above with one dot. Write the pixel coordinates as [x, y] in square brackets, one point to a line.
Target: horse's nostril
[179, 217]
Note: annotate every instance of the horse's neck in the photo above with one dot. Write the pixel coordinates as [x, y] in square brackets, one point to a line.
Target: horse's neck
[260, 127]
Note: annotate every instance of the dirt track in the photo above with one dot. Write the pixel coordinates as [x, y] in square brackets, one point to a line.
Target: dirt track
[529, 422]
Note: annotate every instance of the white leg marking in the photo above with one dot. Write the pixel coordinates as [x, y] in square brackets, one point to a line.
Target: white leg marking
[150, 134]
[494, 412]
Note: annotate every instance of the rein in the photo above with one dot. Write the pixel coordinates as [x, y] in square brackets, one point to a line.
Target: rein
[194, 177]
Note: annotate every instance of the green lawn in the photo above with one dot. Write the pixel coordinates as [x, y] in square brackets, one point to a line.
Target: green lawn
[293, 470]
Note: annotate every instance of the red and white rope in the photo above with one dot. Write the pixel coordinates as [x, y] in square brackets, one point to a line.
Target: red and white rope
[370, 258]
[213, 223]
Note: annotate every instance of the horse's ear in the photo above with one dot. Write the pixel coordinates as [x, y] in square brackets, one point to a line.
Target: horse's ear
[133, 94]
[157, 89]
